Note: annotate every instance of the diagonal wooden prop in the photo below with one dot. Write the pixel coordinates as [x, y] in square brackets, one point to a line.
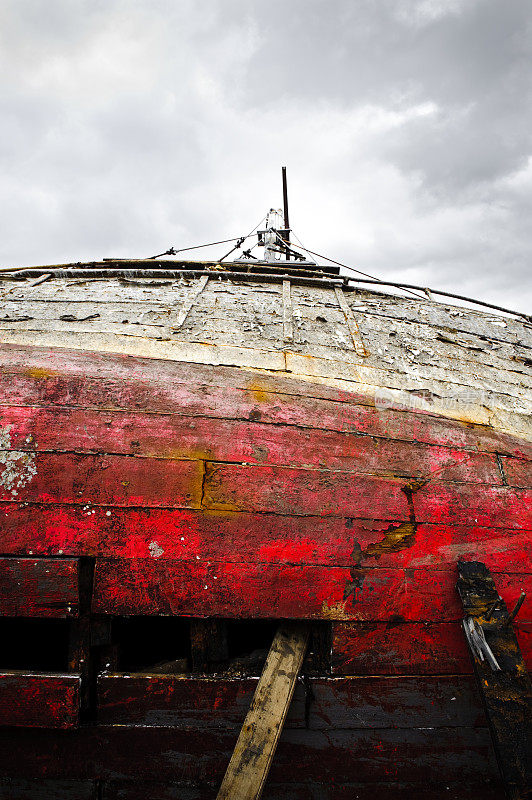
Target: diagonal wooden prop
[253, 754]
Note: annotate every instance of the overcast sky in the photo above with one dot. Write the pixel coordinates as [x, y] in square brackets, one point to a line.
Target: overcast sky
[128, 126]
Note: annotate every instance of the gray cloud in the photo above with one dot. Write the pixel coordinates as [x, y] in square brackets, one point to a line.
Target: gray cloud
[131, 125]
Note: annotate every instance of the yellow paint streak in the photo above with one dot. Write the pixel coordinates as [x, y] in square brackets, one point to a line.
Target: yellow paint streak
[335, 611]
[40, 373]
[259, 392]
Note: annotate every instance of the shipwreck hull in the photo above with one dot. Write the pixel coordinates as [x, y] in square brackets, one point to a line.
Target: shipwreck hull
[170, 478]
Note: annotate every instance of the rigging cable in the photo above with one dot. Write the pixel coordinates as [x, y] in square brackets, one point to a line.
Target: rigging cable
[172, 251]
[242, 239]
[359, 272]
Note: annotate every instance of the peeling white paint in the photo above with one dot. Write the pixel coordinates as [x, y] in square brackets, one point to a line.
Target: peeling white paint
[19, 467]
[155, 549]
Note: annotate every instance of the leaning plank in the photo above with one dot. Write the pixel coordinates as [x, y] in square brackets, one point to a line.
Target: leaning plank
[189, 301]
[358, 344]
[256, 745]
[288, 329]
[501, 673]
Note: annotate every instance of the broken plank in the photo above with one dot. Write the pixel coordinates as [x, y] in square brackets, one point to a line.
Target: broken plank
[503, 681]
[256, 745]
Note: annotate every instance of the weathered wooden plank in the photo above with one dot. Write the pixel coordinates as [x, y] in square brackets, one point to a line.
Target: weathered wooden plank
[21, 789]
[333, 790]
[518, 472]
[190, 300]
[489, 326]
[504, 685]
[69, 529]
[523, 632]
[197, 352]
[165, 754]
[398, 647]
[174, 436]
[103, 480]
[230, 589]
[39, 700]
[255, 747]
[320, 704]
[306, 492]
[387, 702]
[64, 377]
[288, 324]
[43, 587]
[358, 344]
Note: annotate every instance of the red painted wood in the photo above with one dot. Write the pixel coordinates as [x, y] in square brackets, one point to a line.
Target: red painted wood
[166, 754]
[206, 588]
[517, 471]
[409, 648]
[39, 700]
[61, 377]
[307, 492]
[343, 703]
[400, 648]
[218, 536]
[175, 436]
[110, 480]
[44, 587]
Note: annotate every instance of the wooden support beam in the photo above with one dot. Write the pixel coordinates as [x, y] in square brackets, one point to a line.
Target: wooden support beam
[288, 326]
[253, 754]
[189, 302]
[502, 678]
[358, 344]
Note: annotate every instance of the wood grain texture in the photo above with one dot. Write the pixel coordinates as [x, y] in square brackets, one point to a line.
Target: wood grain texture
[62, 377]
[197, 588]
[110, 480]
[164, 754]
[182, 437]
[318, 703]
[44, 587]
[39, 700]
[128, 532]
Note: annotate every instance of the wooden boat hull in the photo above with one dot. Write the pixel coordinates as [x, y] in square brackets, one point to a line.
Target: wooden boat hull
[224, 492]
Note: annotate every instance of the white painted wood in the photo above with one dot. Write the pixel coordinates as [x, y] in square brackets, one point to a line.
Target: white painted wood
[190, 300]
[358, 344]
[288, 325]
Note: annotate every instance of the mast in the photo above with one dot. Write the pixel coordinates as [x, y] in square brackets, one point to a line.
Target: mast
[286, 235]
